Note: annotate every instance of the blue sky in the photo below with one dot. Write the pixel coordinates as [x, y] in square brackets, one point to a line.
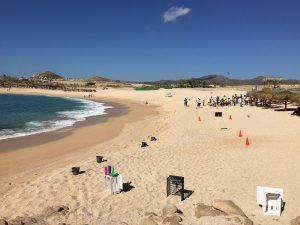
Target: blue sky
[150, 39]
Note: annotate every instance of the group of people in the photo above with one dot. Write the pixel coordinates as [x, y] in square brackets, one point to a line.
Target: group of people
[88, 96]
[225, 101]
[198, 102]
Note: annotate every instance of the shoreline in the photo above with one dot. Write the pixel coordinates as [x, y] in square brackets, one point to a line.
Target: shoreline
[27, 153]
[31, 140]
[83, 120]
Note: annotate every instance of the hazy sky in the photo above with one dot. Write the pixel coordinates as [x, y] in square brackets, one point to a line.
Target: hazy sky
[150, 39]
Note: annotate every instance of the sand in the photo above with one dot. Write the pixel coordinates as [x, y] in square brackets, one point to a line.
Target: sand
[216, 163]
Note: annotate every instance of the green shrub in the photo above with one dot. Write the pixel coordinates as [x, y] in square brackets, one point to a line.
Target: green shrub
[146, 88]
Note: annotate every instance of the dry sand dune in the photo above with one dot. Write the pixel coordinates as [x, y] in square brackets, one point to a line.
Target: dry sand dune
[215, 162]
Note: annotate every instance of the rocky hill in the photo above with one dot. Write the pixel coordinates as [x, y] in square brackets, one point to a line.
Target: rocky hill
[46, 75]
[98, 79]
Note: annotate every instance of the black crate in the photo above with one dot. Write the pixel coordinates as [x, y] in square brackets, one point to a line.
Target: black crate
[175, 186]
[218, 114]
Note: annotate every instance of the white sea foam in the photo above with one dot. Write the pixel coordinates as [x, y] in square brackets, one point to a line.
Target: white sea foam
[66, 119]
[90, 108]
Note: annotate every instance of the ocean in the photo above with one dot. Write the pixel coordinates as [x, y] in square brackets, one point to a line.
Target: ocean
[22, 115]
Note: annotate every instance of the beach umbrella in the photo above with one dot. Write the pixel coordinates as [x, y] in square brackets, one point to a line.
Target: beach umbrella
[285, 97]
[298, 100]
[279, 96]
[263, 95]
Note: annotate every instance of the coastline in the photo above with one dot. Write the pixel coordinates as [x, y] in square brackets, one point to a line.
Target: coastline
[28, 153]
[40, 138]
[65, 117]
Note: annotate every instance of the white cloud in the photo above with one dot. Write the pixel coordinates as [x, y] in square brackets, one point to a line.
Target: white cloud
[174, 12]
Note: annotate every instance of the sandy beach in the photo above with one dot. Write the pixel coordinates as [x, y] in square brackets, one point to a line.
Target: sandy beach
[214, 161]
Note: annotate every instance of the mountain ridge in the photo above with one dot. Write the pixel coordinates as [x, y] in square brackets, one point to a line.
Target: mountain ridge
[222, 80]
[206, 80]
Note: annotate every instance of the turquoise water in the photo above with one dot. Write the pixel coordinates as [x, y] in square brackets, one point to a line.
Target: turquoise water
[22, 115]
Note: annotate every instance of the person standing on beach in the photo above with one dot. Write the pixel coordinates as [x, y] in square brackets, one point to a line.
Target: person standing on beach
[198, 101]
[235, 100]
[240, 100]
[185, 102]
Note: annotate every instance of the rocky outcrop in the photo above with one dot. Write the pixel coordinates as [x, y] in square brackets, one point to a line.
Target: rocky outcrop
[170, 215]
[205, 210]
[148, 221]
[173, 218]
[223, 208]
[169, 210]
[38, 219]
[25, 221]
[296, 221]
[55, 210]
[3, 222]
[228, 207]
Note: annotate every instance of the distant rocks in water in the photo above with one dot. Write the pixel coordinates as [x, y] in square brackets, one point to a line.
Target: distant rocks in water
[46, 75]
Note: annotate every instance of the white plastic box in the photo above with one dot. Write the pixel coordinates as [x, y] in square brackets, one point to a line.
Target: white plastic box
[271, 200]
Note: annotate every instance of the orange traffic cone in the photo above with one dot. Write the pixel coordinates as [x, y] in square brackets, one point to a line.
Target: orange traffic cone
[199, 119]
[230, 118]
[240, 134]
[247, 142]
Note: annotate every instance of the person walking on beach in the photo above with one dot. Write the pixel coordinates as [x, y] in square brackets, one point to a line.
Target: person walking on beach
[210, 101]
[185, 101]
[218, 100]
[235, 100]
[240, 100]
[198, 102]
